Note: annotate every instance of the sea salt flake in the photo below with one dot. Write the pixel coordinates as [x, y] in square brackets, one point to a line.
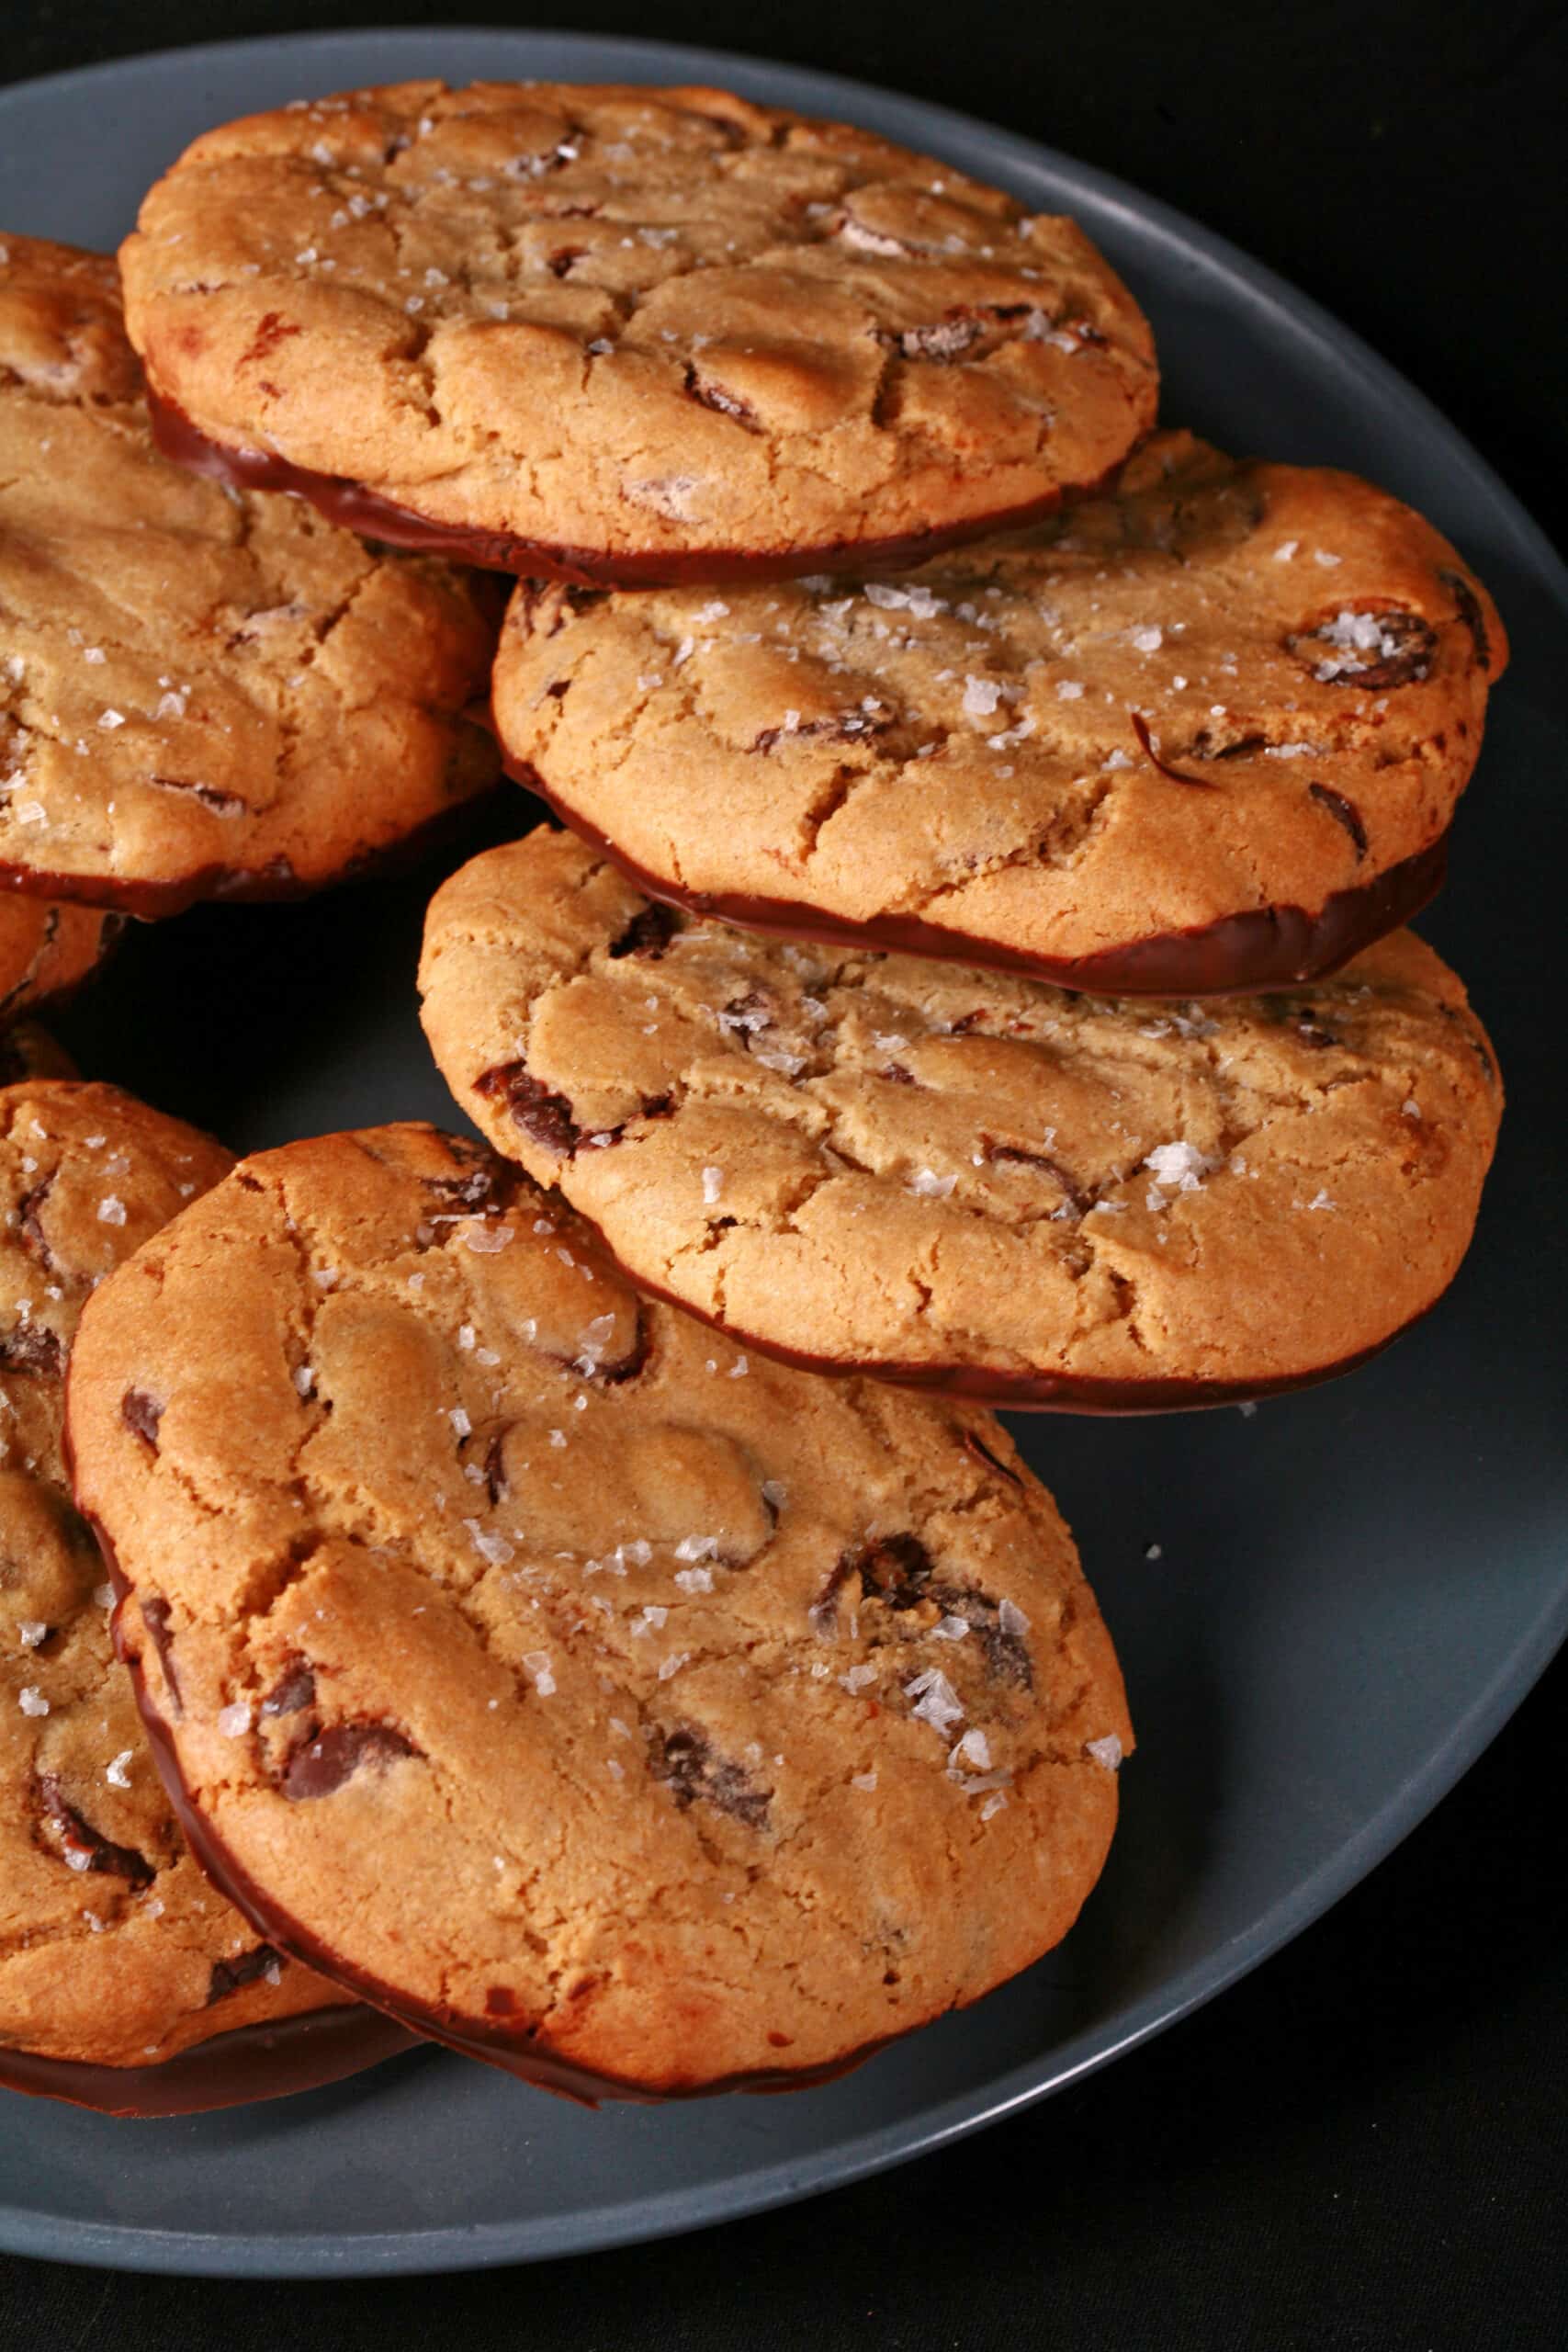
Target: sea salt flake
[304, 1379]
[713, 1184]
[972, 1754]
[1148, 641]
[651, 1618]
[1107, 1751]
[31, 1632]
[1179, 1167]
[993, 1804]
[1068, 690]
[928, 1185]
[537, 1664]
[1320, 1200]
[110, 720]
[951, 1629]
[492, 1548]
[1285, 550]
[461, 1425]
[485, 1240]
[981, 696]
[856, 1677]
[1410, 1108]
[111, 1210]
[695, 1579]
[697, 1547]
[235, 1721]
[936, 1700]
[672, 1664]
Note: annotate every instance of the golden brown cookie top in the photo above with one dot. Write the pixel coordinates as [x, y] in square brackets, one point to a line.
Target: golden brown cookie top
[632, 328]
[913, 1167]
[625, 1707]
[1184, 737]
[201, 693]
[114, 1949]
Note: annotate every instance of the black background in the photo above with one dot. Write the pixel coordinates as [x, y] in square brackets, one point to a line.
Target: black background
[1364, 2145]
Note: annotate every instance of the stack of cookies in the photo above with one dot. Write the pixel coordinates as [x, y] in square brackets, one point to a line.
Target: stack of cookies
[580, 1606]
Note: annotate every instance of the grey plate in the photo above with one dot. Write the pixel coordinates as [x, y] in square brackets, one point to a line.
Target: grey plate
[1358, 1585]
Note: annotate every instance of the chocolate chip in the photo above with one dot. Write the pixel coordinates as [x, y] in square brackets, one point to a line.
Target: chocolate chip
[479, 1187]
[716, 397]
[559, 263]
[28, 1209]
[296, 1692]
[897, 1075]
[87, 1848]
[1399, 654]
[141, 1414]
[982, 1452]
[322, 1764]
[30, 1348]
[1316, 1032]
[155, 1617]
[544, 1115]
[1344, 812]
[896, 1569]
[648, 933]
[1469, 613]
[839, 726]
[496, 1483]
[693, 1771]
[1177, 776]
[1014, 1155]
[246, 1968]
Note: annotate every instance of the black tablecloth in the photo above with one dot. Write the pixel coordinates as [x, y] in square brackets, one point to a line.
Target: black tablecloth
[1364, 2145]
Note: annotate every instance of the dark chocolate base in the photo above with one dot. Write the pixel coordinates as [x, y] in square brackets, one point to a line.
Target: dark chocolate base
[1243, 955]
[375, 518]
[154, 901]
[513, 2051]
[252, 2062]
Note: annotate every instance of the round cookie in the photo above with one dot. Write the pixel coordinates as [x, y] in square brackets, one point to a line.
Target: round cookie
[47, 950]
[639, 1717]
[625, 333]
[965, 1180]
[126, 1982]
[202, 693]
[1207, 734]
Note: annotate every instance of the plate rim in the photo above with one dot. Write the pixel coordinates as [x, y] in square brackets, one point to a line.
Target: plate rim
[450, 2248]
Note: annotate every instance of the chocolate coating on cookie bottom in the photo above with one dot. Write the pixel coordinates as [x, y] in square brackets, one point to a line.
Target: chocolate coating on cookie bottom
[274, 884]
[375, 518]
[253, 2062]
[1242, 955]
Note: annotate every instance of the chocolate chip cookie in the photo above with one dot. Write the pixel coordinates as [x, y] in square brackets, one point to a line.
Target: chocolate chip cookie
[1207, 734]
[126, 1982]
[632, 1712]
[960, 1178]
[625, 333]
[202, 693]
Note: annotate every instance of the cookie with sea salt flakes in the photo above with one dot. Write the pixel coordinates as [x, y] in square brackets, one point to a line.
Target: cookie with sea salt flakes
[126, 1982]
[1204, 735]
[960, 1178]
[203, 693]
[642, 1718]
[624, 333]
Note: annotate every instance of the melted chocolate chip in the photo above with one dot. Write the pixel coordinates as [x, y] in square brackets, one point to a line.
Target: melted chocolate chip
[87, 1848]
[648, 933]
[1177, 776]
[33, 1238]
[1344, 812]
[155, 1617]
[228, 1975]
[30, 1347]
[893, 1568]
[1013, 1155]
[322, 1764]
[841, 726]
[141, 1414]
[1316, 1032]
[1469, 613]
[718, 397]
[982, 1452]
[539, 1112]
[497, 1485]
[897, 1075]
[296, 1692]
[693, 1771]
[223, 804]
[1402, 655]
[476, 1188]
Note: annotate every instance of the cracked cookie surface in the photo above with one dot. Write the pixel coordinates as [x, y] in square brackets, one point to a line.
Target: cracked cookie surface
[1205, 734]
[640, 1717]
[909, 1168]
[202, 692]
[115, 1952]
[627, 331]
